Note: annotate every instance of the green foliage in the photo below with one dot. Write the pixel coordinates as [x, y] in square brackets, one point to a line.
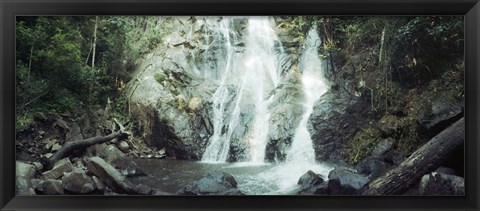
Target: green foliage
[362, 144]
[423, 45]
[159, 77]
[298, 26]
[54, 56]
[144, 34]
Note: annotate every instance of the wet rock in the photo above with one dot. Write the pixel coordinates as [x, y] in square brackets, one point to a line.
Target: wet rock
[118, 159]
[335, 117]
[238, 148]
[108, 174]
[52, 187]
[311, 183]
[59, 168]
[286, 112]
[309, 179]
[343, 181]
[441, 184]
[215, 183]
[382, 147]
[435, 116]
[78, 182]
[284, 119]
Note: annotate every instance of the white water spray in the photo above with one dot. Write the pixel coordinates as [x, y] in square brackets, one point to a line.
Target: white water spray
[301, 155]
[314, 86]
[254, 73]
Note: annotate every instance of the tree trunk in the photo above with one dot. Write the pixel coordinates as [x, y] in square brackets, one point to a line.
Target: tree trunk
[29, 66]
[423, 161]
[70, 146]
[94, 42]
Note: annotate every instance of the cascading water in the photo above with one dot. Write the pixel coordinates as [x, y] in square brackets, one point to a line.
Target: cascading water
[262, 66]
[314, 86]
[241, 57]
[219, 143]
[254, 73]
[301, 156]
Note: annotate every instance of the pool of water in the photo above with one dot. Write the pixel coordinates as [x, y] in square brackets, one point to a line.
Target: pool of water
[171, 176]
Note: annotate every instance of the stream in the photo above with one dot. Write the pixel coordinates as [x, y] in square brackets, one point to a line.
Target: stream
[171, 176]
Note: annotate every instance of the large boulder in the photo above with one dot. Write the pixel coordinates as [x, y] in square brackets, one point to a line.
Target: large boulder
[335, 119]
[58, 169]
[78, 182]
[311, 183]
[436, 115]
[51, 187]
[343, 181]
[118, 159]
[215, 183]
[309, 178]
[109, 175]
[441, 184]
[24, 174]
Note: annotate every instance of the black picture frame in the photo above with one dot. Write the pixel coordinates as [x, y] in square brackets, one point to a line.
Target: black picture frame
[11, 8]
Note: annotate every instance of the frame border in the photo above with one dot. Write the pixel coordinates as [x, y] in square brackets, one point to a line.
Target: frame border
[11, 8]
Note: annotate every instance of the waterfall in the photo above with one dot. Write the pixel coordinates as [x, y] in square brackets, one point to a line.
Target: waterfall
[219, 143]
[262, 63]
[254, 72]
[314, 85]
[301, 155]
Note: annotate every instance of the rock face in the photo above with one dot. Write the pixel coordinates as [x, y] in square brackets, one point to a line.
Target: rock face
[172, 87]
[336, 118]
[171, 93]
[343, 181]
[215, 183]
[441, 184]
[286, 114]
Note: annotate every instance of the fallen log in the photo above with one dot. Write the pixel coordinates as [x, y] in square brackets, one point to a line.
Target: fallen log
[70, 146]
[423, 161]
